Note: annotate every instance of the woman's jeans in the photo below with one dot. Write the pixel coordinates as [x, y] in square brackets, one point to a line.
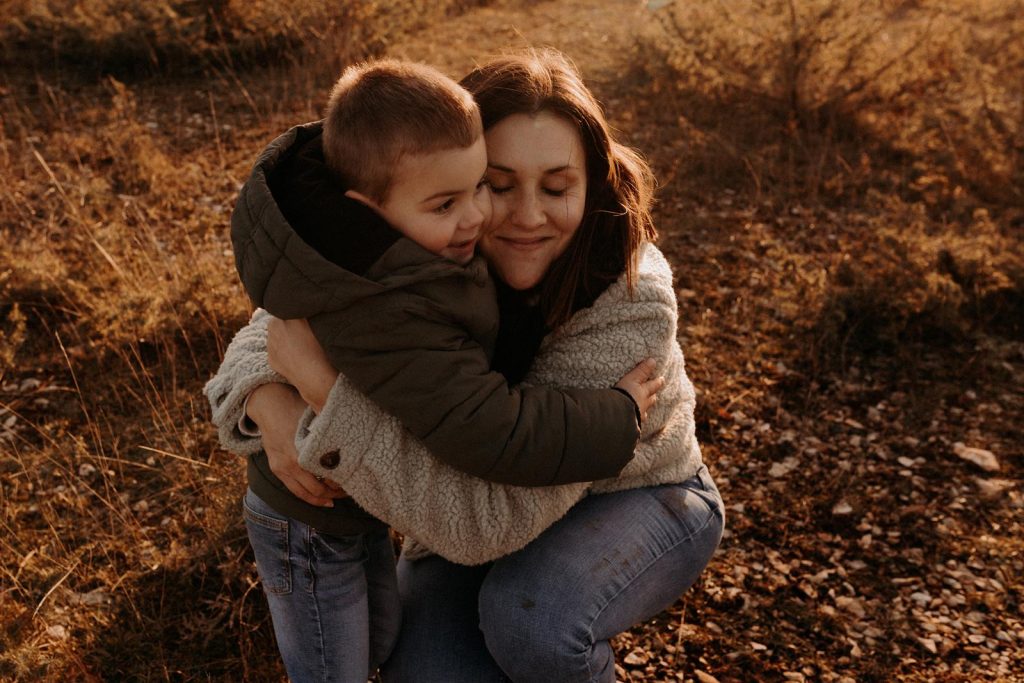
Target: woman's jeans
[333, 599]
[546, 613]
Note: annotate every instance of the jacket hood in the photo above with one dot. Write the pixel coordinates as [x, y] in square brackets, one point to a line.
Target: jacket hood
[303, 248]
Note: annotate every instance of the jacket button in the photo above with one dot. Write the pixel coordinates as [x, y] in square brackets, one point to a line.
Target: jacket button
[330, 460]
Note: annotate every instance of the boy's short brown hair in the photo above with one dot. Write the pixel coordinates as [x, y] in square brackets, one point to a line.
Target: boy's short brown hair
[381, 110]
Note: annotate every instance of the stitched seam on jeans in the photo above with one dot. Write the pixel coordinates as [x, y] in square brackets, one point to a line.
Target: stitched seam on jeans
[263, 520]
[590, 627]
[280, 527]
[311, 575]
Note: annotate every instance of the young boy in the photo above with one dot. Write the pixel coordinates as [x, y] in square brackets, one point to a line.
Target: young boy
[393, 292]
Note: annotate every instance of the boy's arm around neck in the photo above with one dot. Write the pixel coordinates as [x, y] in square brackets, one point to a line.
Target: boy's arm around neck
[422, 354]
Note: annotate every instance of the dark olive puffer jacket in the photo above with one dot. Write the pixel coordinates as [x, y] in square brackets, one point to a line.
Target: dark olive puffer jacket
[414, 332]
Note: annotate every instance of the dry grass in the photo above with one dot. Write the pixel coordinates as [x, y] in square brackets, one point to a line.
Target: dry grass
[840, 195]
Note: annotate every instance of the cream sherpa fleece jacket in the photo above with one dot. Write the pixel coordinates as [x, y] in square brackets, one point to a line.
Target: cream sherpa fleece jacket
[462, 518]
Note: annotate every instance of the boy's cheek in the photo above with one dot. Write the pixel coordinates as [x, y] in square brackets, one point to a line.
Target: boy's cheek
[486, 206]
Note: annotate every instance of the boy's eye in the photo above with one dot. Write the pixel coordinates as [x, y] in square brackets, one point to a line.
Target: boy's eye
[446, 207]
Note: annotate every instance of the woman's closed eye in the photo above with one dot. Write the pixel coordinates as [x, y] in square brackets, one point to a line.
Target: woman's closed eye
[556, 192]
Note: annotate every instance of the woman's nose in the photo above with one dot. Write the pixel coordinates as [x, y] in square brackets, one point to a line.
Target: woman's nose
[528, 212]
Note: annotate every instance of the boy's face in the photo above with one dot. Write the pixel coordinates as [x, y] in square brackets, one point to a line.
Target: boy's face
[439, 200]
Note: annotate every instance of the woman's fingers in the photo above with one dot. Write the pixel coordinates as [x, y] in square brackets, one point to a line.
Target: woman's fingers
[306, 486]
[277, 409]
[641, 386]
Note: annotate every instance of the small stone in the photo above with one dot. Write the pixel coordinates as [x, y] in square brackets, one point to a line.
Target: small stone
[93, 598]
[851, 605]
[758, 647]
[976, 638]
[929, 645]
[905, 461]
[842, 508]
[30, 384]
[86, 470]
[921, 598]
[704, 676]
[781, 469]
[984, 459]
[635, 658]
[794, 676]
[57, 631]
[993, 488]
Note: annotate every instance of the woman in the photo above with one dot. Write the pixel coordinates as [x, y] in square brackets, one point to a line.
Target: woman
[570, 241]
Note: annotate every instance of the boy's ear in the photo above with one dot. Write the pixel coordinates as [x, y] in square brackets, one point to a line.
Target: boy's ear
[362, 199]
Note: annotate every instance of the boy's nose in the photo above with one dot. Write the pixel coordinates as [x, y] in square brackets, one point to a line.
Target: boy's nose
[473, 218]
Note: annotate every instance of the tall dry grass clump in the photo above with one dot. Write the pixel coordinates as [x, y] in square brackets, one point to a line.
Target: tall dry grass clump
[130, 39]
[115, 292]
[903, 121]
[123, 554]
[940, 80]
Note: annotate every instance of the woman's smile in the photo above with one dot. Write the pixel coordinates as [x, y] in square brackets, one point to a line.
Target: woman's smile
[537, 174]
[523, 243]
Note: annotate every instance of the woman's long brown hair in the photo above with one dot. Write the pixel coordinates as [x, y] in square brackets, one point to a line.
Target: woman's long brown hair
[620, 185]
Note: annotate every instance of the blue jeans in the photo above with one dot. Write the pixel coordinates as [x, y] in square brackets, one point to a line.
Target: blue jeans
[333, 599]
[546, 613]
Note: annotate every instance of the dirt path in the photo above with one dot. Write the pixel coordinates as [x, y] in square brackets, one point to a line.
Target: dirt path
[597, 34]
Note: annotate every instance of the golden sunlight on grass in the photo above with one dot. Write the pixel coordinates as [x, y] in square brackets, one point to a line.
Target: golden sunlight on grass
[841, 196]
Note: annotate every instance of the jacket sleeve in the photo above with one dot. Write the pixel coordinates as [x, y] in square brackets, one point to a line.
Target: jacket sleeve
[423, 368]
[393, 476]
[243, 369]
[465, 519]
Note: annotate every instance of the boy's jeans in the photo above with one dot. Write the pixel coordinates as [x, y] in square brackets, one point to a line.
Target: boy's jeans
[546, 612]
[333, 599]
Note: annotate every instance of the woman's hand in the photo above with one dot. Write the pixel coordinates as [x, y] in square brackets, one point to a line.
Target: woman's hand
[294, 352]
[276, 409]
[641, 386]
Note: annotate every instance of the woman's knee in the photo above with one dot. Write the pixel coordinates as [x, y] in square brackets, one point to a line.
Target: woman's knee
[533, 638]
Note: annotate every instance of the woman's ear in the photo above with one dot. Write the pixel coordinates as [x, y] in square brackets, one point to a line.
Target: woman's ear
[362, 199]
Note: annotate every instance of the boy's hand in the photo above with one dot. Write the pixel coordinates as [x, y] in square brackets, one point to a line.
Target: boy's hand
[642, 387]
[294, 352]
[276, 410]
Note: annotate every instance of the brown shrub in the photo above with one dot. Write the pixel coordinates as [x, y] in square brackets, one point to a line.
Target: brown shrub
[828, 98]
[911, 286]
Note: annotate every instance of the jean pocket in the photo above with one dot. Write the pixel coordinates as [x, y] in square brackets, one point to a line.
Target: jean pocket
[268, 537]
[340, 549]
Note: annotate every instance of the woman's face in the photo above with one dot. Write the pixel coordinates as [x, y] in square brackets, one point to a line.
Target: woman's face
[537, 174]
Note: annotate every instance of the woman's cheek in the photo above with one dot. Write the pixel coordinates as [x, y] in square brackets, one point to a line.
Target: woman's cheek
[485, 204]
[500, 207]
